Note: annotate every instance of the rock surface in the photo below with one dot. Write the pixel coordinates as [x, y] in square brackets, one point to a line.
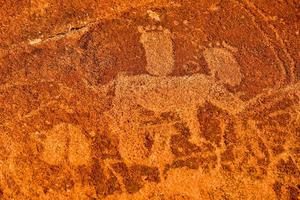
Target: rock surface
[143, 99]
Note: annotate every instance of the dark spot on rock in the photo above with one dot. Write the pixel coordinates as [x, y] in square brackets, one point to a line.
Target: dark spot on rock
[112, 185]
[169, 116]
[136, 176]
[192, 163]
[226, 168]
[210, 119]
[183, 129]
[45, 190]
[148, 142]
[206, 163]
[282, 119]
[298, 72]
[180, 146]
[263, 148]
[85, 40]
[230, 134]
[293, 193]
[288, 167]
[277, 189]
[228, 154]
[97, 176]
[278, 149]
[105, 147]
[105, 184]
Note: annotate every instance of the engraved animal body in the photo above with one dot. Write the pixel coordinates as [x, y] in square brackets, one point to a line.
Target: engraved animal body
[159, 93]
[179, 95]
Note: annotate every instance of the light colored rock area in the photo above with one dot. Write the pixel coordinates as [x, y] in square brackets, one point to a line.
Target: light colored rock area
[55, 146]
[222, 62]
[159, 51]
[66, 142]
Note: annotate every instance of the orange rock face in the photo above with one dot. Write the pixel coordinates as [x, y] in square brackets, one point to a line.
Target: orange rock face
[162, 100]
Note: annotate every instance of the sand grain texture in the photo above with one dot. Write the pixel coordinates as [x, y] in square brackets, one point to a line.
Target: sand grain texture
[162, 100]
